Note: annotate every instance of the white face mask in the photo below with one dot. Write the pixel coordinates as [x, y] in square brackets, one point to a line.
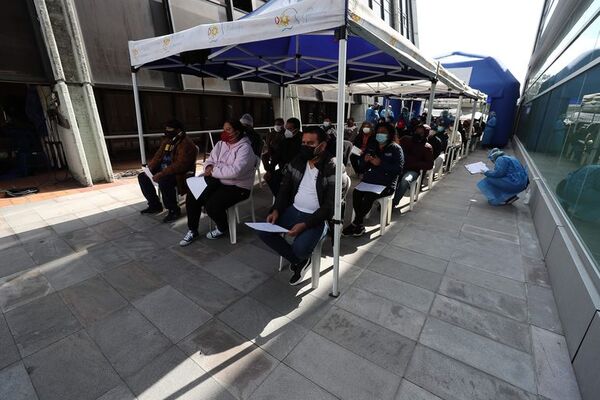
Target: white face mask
[288, 134]
[278, 128]
[367, 130]
[326, 123]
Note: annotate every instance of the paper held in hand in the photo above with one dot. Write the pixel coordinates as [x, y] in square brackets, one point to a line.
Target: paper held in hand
[369, 187]
[476, 168]
[356, 151]
[149, 174]
[266, 227]
[197, 184]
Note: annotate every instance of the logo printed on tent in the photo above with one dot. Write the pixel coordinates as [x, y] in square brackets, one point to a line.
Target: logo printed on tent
[214, 33]
[288, 19]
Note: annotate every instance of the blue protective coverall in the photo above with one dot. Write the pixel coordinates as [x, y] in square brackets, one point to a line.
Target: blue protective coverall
[580, 193]
[507, 179]
[488, 132]
[372, 115]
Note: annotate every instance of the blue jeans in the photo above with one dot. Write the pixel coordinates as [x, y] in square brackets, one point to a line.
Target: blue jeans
[303, 244]
[403, 184]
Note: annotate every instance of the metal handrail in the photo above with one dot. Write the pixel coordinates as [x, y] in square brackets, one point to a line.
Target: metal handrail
[191, 133]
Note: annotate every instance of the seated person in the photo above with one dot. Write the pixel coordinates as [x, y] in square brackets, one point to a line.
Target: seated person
[364, 139]
[418, 156]
[255, 139]
[436, 145]
[304, 203]
[174, 159]
[271, 153]
[350, 130]
[289, 148]
[508, 178]
[229, 175]
[385, 163]
[328, 127]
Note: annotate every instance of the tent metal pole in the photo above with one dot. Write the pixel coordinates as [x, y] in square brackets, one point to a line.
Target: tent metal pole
[430, 102]
[412, 102]
[471, 126]
[281, 101]
[339, 150]
[138, 116]
[349, 114]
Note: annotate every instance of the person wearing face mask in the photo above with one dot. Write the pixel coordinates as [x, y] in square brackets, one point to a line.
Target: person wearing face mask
[365, 139]
[304, 203]
[271, 153]
[328, 127]
[255, 139]
[229, 175]
[508, 178]
[174, 159]
[289, 148]
[418, 156]
[384, 163]
[350, 130]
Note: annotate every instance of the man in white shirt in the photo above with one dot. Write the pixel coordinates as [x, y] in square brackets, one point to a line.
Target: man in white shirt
[304, 203]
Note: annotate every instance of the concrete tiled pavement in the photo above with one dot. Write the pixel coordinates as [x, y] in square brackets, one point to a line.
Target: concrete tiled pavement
[454, 302]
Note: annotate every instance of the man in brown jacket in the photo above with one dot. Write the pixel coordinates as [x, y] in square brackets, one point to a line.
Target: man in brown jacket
[175, 158]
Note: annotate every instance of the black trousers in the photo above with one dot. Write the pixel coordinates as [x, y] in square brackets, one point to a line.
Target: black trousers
[216, 199]
[363, 201]
[275, 181]
[168, 188]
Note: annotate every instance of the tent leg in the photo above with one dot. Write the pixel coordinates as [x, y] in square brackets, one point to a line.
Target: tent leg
[138, 117]
[430, 102]
[281, 101]
[341, 99]
[470, 134]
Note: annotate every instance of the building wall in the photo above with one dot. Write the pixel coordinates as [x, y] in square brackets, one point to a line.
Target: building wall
[558, 135]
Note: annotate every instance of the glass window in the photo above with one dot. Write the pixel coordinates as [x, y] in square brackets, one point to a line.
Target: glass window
[244, 5]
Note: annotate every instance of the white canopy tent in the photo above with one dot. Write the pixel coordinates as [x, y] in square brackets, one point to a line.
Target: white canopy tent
[292, 42]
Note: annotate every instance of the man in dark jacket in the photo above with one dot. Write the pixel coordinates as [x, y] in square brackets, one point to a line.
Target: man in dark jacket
[418, 156]
[288, 150]
[174, 159]
[304, 203]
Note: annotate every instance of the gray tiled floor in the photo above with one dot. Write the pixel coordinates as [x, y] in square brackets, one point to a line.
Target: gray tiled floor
[453, 302]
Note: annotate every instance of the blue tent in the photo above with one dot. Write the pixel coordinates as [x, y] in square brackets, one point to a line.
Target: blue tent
[487, 75]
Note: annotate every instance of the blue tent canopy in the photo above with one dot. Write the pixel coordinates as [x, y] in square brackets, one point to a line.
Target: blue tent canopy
[487, 75]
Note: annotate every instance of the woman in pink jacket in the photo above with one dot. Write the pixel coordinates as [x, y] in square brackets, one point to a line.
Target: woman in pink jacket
[229, 176]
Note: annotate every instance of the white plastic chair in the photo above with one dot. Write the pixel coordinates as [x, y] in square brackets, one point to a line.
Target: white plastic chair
[315, 262]
[385, 212]
[415, 189]
[233, 212]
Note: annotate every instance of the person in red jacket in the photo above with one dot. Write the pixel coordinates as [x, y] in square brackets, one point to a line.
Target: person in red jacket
[418, 156]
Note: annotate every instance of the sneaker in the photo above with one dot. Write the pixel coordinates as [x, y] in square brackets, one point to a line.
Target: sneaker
[189, 237]
[299, 271]
[359, 231]
[214, 234]
[511, 200]
[151, 210]
[349, 230]
[173, 215]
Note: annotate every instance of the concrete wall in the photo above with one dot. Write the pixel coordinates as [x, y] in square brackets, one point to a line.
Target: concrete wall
[574, 281]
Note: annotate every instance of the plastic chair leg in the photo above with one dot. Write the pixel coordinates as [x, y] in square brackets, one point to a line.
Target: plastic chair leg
[316, 264]
[232, 221]
[383, 218]
[252, 208]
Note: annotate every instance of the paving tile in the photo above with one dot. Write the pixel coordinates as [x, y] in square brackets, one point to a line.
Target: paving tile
[431, 244]
[209, 292]
[167, 265]
[476, 232]
[383, 347]
[132, 281]
[163, 236]
[15, 383]
[14, 259]
[555, 377]
[9, 353]
[487, 299]
[92, 300]
[47, 249]
[384, 312]
[8, 239]
[504, 265]
[70, 270]
[62, 226]
[340, 371]
[173, 375]
[108, 256]
[128, 340]
[542, 308]
[139, 223]
[136, 245]
[198, 253]
[285, 383]
[113, 229]
[406, 272]
[423, 261]
[120, 392]
[410, 391]
[536, 272]
[237, 364]
[27, 233]
[304, 309]
[174, 314]
[395, 290]
[236, 273]
[506, 363]
[486, 280]
[82, 239]
[493, 326]
[272, 332]
[72, 368]
[260, 259]
[451, 379]
[22, 288]
[40, 323]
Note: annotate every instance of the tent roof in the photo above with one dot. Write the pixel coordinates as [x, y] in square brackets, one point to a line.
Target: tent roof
[291, 42]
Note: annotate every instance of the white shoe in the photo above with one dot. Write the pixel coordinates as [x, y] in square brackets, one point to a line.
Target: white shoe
[189, 237]
[214, 234]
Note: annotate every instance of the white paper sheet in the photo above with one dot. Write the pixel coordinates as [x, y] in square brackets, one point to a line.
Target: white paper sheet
[356, 151]
[149, 174]
[476, 168]
[369, 187]
[197, 184]
[266, 227]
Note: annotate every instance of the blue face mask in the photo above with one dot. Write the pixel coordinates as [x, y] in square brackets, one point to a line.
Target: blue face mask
[381, 138]
[440, 129]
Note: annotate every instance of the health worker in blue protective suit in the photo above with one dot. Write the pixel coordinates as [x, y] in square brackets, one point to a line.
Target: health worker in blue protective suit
[490, 129]
[508, 178]
[579, 193]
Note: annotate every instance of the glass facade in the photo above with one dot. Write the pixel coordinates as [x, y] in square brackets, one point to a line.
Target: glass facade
[559, 125]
